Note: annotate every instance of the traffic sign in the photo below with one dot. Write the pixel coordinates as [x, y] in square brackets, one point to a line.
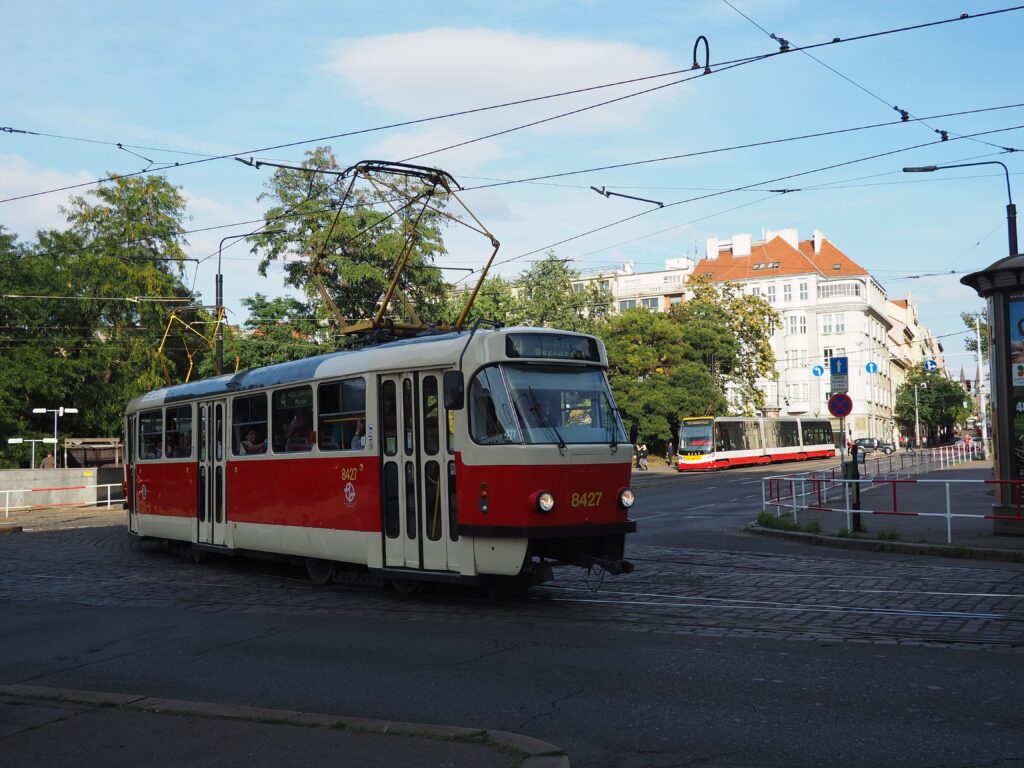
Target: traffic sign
[931, 365]
[818, 370]
[840, 365]
[840, 382]
[871, 367]
[840, 405]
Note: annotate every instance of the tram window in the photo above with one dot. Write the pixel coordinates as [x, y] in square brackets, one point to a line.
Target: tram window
[751, 435]
[432, 499]
[453, 514]
[389, 418]
[410, 500]
[817, 433]
[407, 427]
[292, 420]
[431, 426]
[341, 415]
[491, 421]
[789, 435]
[450, 430]
[151, 433]
[178, 438]
[392, 525]
[249, 425]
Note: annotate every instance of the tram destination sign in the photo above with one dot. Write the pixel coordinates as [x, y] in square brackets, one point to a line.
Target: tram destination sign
[554, 346]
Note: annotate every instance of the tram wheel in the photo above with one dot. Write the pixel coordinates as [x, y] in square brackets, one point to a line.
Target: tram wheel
[320, 571]
[407, 586]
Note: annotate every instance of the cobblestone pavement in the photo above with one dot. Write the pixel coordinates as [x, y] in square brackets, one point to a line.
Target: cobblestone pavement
[88, 558]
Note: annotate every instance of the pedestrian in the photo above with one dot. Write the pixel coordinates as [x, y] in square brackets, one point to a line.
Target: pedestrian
[641, 457]
[670, 452]
[48, 462]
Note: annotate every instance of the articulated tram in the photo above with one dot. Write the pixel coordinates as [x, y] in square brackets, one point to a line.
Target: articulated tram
[720, 442]
[483, 457]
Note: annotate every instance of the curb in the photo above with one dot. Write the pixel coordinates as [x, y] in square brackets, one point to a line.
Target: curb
[532, 752]
[901, 547]
[10, 529]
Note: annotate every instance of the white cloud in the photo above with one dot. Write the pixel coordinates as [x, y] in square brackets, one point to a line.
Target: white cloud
[25, 217]
[448, 69]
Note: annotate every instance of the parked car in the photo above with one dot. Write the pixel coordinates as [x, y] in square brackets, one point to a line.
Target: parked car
[872, 444]
[976, 441]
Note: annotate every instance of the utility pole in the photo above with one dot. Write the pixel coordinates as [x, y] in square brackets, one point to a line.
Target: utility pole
[917, 420]
[981, 391]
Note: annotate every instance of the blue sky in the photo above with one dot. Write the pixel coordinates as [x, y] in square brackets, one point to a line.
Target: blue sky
[231, 77]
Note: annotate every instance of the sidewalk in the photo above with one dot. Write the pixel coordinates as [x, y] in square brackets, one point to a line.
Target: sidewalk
[58, 728]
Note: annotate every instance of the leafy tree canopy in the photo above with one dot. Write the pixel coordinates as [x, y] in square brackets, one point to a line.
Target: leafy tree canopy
[940, 404]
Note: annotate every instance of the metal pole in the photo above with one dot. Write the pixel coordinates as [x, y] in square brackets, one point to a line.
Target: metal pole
[917, 421]
[981, 388]
[33, 453]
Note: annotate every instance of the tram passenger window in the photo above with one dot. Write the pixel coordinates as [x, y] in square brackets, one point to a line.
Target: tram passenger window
[389, 418]
[178, 438]
[407, 415]
[151, 433]
[341, 415]
[293, 420]
[432, 500]
[751, 435]
[789, 435]
[249, 425]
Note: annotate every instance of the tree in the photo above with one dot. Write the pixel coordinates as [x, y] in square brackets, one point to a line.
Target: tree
[496, 300]
[731, 334]
[89, 343]
[360, 244]
[971, 340]
[940, 405]
[547, 297]
[654, 377]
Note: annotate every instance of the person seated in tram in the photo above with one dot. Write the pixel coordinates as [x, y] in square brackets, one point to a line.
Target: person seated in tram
[169, 450]
[252, 444]
[153, 451]
[184, 444]
[296, 436]
[359, 438]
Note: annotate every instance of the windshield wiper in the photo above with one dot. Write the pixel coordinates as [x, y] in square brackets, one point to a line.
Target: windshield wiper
[544, 420]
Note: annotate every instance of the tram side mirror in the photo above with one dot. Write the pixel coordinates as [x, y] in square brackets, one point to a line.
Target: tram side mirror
[634, 432]
[454, 391]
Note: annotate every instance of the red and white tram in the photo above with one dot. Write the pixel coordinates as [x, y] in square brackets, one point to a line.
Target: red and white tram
[383, 459]
[716, 443]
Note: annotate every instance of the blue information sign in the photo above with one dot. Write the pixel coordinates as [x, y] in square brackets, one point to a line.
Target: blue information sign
[818, 370]
[931, 365]
[839, 365]
[871, 367]
[840, 405]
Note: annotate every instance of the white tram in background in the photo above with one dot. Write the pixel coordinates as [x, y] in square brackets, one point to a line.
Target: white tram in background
[482, 456]
[718, 442]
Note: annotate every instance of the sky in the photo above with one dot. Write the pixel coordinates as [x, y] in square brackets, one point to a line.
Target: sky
[233, 78]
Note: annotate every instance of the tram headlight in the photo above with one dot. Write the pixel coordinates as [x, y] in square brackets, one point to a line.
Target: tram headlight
[627, 498]
[545, 501]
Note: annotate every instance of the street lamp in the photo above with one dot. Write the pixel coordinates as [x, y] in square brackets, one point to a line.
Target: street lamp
[20, 440]
[219, 290]
[1011, 209]
[57, 413]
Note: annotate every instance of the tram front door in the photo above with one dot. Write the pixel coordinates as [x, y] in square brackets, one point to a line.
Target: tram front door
[415, 477]
[211, 501]
[130, 457]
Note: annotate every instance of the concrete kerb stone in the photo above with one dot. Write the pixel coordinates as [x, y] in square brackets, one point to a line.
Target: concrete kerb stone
[535, 753]
[10, 529]
[902, 547]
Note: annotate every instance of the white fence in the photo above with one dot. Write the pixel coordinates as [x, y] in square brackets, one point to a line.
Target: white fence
[72, 493]
[828, 491]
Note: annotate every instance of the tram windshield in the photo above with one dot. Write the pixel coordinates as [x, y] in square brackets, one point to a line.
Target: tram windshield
[530, 404]
[696, 436]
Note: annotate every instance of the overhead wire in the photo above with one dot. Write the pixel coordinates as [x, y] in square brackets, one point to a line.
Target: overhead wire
[718, 66]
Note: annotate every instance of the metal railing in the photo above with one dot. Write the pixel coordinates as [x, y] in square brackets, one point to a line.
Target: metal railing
[110, 497]
[828, 491]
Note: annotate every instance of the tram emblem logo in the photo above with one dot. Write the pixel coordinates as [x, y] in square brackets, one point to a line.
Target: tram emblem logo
[350, 492]
[143, 493]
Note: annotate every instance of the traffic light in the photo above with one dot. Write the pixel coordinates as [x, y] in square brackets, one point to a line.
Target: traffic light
[967, 386]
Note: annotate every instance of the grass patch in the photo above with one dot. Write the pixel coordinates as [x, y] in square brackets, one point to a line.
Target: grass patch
[786, 523]
[889, 534]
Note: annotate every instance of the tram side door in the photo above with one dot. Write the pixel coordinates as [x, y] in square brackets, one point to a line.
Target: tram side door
[129, 462]
[211, 491]
[434, 469]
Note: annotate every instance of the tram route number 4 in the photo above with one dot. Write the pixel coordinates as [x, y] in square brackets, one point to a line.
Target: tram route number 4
[840, 405]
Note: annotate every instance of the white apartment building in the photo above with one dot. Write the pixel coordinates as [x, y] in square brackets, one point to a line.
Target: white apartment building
[830, 306]
[659, 290]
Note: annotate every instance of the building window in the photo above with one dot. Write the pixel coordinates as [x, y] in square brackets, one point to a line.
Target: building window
[771, 294]
[803, 325]
[673, 300]
[827, 352]
[792, 325]
[627, 304]
[826, 324]
[787, 292]
[577, 287]
[649, 303]
[840, 323]
[831, 289]
[755, 291]
[803, 291]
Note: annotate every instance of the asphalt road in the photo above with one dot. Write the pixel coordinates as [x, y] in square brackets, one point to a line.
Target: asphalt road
[707, 655]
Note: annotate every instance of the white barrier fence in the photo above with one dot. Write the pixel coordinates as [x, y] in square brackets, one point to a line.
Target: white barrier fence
[111, 496]
[828, 491]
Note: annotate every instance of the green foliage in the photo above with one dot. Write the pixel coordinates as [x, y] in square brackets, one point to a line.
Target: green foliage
[89, 346]
[653, 376]
[971, 339]
[547, 298]
[361, 245]
[731, 333]
[785, 522]
[889, 534]
[496, 300]
[940, 404]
